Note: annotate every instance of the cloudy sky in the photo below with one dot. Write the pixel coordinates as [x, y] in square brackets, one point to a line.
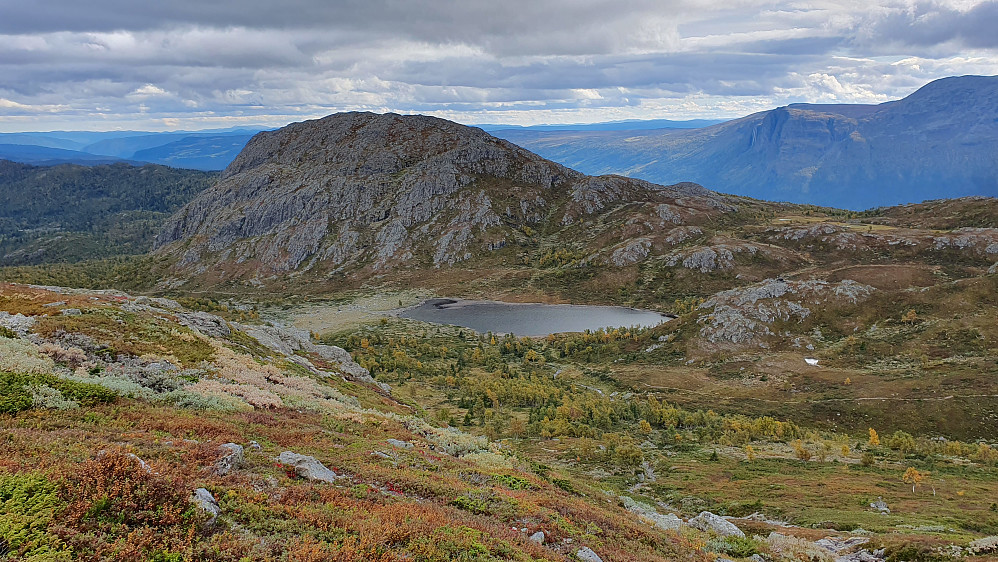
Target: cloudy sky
[194, 64]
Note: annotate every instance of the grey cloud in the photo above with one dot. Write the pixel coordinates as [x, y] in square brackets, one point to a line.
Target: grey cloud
[929, 24]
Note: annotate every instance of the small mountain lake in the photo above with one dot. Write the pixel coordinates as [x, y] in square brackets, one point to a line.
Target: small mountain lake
[530, 319]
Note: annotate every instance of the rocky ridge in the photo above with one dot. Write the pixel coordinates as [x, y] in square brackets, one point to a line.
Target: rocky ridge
[362, 194]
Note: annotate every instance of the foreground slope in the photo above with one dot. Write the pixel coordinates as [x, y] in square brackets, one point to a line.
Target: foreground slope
[940, 141]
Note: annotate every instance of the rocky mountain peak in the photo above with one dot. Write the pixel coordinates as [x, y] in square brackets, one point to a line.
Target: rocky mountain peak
[359, 193]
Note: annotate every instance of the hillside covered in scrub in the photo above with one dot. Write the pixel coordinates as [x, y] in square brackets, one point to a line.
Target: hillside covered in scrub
[141, 428]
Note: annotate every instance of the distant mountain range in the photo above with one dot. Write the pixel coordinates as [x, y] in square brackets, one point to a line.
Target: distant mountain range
[203, 150]
[940, 141]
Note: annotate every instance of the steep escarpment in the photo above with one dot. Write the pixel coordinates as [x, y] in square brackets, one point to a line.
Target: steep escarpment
[359, 194]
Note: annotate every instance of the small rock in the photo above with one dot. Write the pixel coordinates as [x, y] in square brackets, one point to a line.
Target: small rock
[880, 505]
[757, 558]
[255, 445]
[586, 554]
[232, 459]
[862, 556]
[538, 537]
[206, 501]
[707, 521]
[71, 312]
[399, 444]
[308, 468]
[54, 304]
[381, 454]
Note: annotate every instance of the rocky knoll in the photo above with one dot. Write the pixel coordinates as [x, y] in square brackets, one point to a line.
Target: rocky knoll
[361, 193]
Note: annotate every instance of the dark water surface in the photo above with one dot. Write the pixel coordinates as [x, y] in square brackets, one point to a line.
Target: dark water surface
[530, 319]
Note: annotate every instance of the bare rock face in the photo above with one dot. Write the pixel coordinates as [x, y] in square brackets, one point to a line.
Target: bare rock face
[746, 314]
[360, 193]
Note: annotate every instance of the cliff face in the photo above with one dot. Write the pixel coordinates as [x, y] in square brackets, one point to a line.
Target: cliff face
[360, 193]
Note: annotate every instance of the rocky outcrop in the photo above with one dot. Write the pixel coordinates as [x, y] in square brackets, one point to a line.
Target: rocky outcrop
[746, 314]
[359, 194]
[709, 522]
[309, 468]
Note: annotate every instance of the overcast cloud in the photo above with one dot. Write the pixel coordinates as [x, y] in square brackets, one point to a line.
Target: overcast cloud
[114, 64]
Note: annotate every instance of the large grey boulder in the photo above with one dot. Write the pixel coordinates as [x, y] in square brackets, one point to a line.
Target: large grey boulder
[203, 499]
[309, 468]
[586, 554]
[709, 522]
[231, 459]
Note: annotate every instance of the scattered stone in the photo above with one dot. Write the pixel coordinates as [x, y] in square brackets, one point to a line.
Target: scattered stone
[232, 459]
[586, 554]
[309, 468]
[54, 304]
[71, 312]
[757, 558]
[881, 506]
[835, 545]
[538, 537]
[811, 361]
[707, 521]
[381, 454]
[400, 444]
[862, 556]
[206, 501]
[255, 445]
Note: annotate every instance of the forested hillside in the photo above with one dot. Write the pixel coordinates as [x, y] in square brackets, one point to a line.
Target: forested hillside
[69, 212]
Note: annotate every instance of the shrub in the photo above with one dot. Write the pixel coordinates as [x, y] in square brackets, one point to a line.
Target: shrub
[28, 505]
[44, 396]
[21, 356]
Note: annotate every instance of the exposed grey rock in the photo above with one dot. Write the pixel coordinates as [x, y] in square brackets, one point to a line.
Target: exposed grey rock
[309, 468]
[586, 554]
[880, 505]
[986, 545]
[205, 323]
[862, 556]
[18, 323]
[993, 269]
[835, 545]
[538, 537]
[399, 444]
[71, 312]
[203, 499]
[288, 341]
[708, 521]
[745, 314]
[665, 522]
[632, 251]
[359, 193]
[231, 460]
